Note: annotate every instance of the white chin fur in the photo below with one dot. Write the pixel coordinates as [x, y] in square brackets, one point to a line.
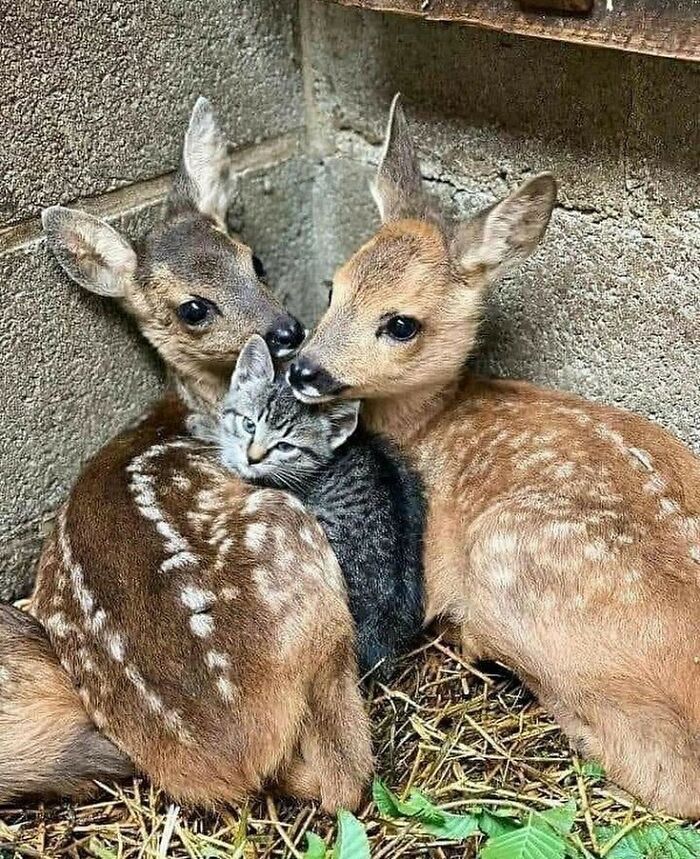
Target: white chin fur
[310, 395]
[284, 353]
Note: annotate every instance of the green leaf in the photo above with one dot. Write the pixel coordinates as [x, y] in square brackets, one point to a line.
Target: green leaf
[386, 801]
[433, 819]
[560, 818]
[495, 823]
[592, 770]
[420, 807]
[456, 827]
[352, 840]
[315, 847]
[97, 848]
[652, 842]
[529, 842]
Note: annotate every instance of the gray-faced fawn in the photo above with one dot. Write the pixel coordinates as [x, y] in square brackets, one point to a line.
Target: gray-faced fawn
[563, 537]
[203, 622]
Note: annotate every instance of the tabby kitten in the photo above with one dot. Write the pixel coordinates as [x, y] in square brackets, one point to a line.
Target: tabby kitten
[369, 503]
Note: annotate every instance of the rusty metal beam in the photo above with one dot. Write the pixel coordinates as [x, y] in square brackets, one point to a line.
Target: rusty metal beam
[667, 28]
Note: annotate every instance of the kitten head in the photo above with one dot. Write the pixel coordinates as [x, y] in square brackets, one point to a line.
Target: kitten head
[270, 437]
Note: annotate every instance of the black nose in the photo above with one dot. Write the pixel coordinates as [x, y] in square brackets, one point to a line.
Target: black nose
[284, 336]
[302, 372]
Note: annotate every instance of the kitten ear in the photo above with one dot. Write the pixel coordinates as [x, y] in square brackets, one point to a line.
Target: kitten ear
[254, 364]
[343, 417]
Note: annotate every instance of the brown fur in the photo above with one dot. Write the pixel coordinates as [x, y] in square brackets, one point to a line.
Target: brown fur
[563, 536]
[202, 622]
[48, 745]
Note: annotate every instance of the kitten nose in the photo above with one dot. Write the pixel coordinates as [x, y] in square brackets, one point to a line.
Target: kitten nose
[256, 453]
[284, 336]
[302, 372]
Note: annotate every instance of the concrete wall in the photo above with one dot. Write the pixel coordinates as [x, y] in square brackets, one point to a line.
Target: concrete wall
[98, 96]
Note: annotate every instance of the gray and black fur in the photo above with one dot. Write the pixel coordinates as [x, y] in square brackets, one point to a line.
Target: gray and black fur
[368, 501]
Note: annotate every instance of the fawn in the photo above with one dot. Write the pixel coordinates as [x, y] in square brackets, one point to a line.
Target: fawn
[203, 622]
[563, 537]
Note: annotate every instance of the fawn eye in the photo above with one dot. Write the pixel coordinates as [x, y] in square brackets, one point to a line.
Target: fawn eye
[259, 268]
[195, 311]
[285, 446]
[401, 328]
[248, 425]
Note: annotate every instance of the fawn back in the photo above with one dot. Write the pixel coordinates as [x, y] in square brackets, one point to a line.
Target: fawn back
[203, 622]
[563, 536]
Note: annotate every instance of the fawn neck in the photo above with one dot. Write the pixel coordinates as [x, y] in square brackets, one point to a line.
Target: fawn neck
[201, 389]
[404, 418]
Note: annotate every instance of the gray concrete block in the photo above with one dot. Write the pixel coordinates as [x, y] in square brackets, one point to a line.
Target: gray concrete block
[97, 94]
[274, 215]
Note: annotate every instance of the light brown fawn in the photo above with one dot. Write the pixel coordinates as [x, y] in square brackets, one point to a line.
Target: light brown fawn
[202, 621]
[563, 536]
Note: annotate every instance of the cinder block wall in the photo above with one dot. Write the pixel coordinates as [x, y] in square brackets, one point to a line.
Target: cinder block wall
[95, 103]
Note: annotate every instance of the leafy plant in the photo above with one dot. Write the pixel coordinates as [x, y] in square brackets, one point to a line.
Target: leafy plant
[351, 842]
[531, 841]
[315, 847]
[653, 841]
[544, 835]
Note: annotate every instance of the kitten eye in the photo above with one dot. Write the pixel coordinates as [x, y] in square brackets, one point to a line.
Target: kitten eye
[284, 446]
[196, 311]
[248, 425]
[400, 328]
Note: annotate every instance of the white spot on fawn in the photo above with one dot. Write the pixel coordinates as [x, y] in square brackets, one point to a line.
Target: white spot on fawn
[643, 457]
[307, 536]
[196, 599]
[229, 594]
[202, 625]
[225, 688]
[181, 481]
[115, 645]
[655, 485]
[179, 561]
[58, 625]
[217, 659]
[255, 536]
[669, 507]
[254, 502]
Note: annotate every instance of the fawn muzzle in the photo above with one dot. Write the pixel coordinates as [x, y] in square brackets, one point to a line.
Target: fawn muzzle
[284, 336]
[310, 382]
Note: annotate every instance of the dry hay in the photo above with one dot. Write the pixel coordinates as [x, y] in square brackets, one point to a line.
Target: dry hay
[465, 738]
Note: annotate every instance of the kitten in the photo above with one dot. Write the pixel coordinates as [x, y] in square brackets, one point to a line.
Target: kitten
[369, 503]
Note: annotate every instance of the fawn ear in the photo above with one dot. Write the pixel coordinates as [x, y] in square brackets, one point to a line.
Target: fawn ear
[343, 416]
[254, 364]
[204, 180]
[398, 186]
[91, 252]
[507, 232]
